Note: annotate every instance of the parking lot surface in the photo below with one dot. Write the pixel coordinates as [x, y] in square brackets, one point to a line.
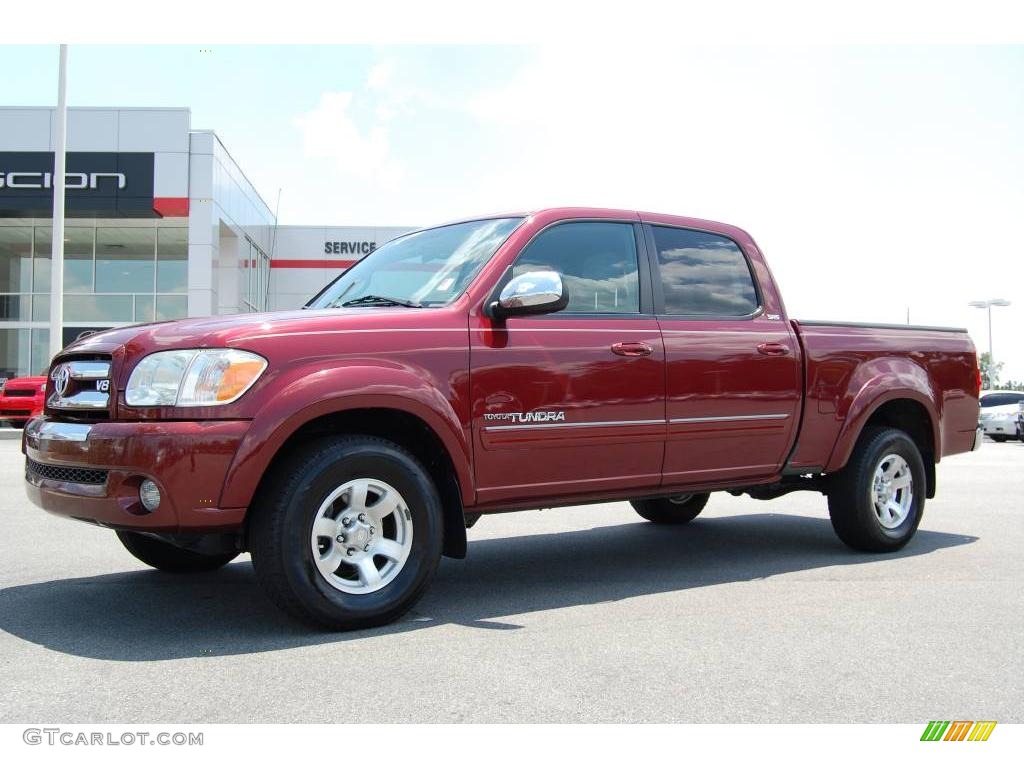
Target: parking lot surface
[752, 613]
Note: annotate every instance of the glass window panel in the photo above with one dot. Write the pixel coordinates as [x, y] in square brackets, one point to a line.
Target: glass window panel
[15, 259]
[172, 276]
[15, 306]
[703, 274]
[41, 307]
[597, 262]
[171, 307]
[125, 259]
[94, 307]
[40, 350]
[144, 307]
[15, 352]
[77, 259]
[172, 259]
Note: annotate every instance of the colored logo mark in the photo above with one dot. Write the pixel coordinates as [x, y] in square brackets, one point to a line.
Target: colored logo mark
[958, 730]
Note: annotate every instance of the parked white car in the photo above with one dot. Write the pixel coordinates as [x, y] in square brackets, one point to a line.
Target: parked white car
[999, 411]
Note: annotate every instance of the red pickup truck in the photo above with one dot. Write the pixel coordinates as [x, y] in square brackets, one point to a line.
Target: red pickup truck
[530, 360]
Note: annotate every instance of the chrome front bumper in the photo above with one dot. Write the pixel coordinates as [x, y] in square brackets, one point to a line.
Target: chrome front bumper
[979, 436]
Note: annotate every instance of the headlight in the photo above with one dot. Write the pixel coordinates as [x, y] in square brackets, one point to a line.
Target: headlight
[193, 377]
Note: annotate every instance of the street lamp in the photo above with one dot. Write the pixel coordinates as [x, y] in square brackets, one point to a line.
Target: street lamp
[988, 304]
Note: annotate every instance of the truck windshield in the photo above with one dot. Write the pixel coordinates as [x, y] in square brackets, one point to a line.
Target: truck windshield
[429, 268]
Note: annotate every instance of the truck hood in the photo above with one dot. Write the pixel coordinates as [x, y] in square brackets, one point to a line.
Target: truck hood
[245, 331]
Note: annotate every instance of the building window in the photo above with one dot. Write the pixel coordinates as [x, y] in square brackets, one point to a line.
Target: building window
[172, 260]
[15, 354]
[79, 244]
[255, 277]
[125, 259]
[171, 307]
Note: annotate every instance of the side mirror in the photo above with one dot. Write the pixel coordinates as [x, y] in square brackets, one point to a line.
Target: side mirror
[532, 293]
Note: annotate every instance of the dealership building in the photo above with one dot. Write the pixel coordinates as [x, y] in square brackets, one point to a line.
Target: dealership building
[161, 223]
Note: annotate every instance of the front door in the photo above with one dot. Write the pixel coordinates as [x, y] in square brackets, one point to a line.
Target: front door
[573, 402]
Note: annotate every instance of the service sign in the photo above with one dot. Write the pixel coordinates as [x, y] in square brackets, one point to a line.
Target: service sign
[350, 247]
[97, 184]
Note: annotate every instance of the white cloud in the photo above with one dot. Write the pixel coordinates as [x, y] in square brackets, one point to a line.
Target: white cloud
[330, 132]
[380, 75]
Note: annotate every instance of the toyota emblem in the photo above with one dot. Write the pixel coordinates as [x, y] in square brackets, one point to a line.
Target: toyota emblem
[61, 380]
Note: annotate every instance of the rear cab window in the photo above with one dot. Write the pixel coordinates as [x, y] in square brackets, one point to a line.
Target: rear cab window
[1001, 398]
[703, 274]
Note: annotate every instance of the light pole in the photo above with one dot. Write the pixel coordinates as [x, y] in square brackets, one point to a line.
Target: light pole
[57, 252]
[988, 304]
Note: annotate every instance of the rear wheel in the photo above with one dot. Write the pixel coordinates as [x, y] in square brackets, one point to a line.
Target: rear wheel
[671, 510]
[348, 533]
[877, 500]
[167, 557]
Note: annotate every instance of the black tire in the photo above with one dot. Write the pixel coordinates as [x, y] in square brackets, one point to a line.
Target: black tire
[167, 557]
[850, 503]
[284, 513]
[671, 510]
[999, 438]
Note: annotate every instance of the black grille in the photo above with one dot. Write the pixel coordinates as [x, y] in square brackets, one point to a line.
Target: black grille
[82, 475]
[19, 392]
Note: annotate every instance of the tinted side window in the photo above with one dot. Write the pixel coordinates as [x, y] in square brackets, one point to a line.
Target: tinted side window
[703, 274]
[597, 262]
[1000, 398]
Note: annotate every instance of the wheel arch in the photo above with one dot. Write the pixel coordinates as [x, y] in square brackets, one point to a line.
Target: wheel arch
[391, 401]
[906, 410]
[404, 429]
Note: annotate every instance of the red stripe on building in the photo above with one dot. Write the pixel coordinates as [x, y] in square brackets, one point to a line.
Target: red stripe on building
[171, 206]
[311, 263]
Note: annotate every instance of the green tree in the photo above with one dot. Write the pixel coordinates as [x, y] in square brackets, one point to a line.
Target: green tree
[989, 371]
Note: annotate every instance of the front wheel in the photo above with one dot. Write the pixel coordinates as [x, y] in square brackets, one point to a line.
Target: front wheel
[166, 557]
[671, 510]
[999, 438]
[348, 533]
[877, 500]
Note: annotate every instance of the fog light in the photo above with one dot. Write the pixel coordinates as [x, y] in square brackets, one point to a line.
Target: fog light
[149, 495]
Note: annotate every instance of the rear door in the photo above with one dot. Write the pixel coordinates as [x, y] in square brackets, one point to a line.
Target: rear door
[572, 402]
[732, 370]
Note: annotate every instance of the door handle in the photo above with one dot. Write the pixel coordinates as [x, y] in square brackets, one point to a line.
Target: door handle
[632, 348]
[773, 348]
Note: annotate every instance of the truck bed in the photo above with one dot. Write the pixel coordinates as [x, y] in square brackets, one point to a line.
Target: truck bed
[845, 365]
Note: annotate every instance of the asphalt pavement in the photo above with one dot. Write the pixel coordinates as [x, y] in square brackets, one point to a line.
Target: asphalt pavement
[752, 613]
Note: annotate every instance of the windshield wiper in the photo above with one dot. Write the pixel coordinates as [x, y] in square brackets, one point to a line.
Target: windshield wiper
[380, 301]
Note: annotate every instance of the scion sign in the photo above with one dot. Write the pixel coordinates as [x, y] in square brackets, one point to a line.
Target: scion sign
[98, 184]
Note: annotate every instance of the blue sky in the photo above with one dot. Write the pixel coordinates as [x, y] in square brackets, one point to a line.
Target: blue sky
[875, 178]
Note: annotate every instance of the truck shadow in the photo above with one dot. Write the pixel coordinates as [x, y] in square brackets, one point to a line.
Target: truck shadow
[144, 615]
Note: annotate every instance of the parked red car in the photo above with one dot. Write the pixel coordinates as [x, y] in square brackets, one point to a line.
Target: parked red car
[22, 398]
[532, 360]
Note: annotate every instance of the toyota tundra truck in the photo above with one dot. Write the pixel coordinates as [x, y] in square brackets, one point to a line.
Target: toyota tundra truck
[531, 360]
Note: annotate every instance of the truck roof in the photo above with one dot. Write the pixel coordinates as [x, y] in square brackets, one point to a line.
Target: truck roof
[609, 213]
